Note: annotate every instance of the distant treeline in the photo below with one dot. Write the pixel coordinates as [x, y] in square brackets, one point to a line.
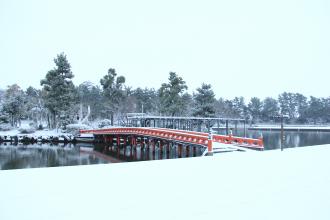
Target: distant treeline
[60, 101]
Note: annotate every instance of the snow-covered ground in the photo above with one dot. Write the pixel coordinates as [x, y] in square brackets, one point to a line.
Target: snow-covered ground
[293, 184]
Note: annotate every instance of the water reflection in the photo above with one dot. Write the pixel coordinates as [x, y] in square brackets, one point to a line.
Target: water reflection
[43, 155]
[148, 152]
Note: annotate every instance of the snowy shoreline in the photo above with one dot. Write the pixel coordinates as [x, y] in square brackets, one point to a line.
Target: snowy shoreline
[37, 136]
[290, 128]
[293, 184]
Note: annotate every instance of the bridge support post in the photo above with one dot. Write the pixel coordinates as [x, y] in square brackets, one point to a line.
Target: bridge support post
[118, 152]
[135, 149]
[147, 149]
[118, 141]
[160, 149]
[153, 149]
[194, 151]
[180, 150]
[110, 143]
[142, 148]
[187, 150]
[168, 150]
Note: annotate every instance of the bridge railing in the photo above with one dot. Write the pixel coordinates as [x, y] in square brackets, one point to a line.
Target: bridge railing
[228, 139]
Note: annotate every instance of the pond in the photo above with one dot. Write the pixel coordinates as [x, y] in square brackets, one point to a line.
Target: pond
[21, 156]
[44, 155]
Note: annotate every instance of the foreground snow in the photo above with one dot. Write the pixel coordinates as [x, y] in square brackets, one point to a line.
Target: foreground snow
[293, 184]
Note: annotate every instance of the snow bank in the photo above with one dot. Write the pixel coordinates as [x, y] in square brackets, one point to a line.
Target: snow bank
[293, 184]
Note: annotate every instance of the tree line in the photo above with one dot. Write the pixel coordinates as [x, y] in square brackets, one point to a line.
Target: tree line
[60, 102]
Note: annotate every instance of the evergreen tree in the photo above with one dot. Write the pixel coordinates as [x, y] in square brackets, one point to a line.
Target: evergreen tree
[316, 109]
[171, 95]
[223, 108]
[255, 107]
[145, 100]
[59, 92]
[14, 104]
[288, 104]
[187, 102]
[239, 108]
[113, 92]
[270, 109]
[34, 105]
[326, 114]
[91, 95]
[204, 101]
[301, 108]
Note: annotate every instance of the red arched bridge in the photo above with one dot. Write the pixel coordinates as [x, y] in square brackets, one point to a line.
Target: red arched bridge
[151, 136]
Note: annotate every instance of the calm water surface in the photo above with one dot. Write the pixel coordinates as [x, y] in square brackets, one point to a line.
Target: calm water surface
[44, 155]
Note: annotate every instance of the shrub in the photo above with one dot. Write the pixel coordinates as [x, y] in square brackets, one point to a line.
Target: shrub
[74, 128]
[27, 130]
[5, 127]
[104, 123]
[4, 119]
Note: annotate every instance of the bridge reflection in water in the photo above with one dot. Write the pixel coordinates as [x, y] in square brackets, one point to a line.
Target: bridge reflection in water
[147, 149]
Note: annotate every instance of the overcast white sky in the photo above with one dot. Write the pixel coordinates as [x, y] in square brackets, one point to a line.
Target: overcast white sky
[243, 48]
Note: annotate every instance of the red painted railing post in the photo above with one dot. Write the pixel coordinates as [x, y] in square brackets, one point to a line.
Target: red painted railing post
[209, 145]
[261, 142]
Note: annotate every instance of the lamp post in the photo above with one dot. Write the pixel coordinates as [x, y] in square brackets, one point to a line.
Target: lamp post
[282, 133]
[282, 128]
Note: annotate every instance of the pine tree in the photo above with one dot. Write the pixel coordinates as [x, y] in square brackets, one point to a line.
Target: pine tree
[204, 101]
[91, 95]
[270, 109]
[288, 104]
[239, 109]
[113, 91]
[14, 104]
[34, 105]
[302, 106]
[316, 109]
[59, 92]
[254, 107]
[171, 95]
[145, 99]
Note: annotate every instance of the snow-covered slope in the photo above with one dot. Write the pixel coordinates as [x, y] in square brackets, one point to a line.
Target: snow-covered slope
[293, 184]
